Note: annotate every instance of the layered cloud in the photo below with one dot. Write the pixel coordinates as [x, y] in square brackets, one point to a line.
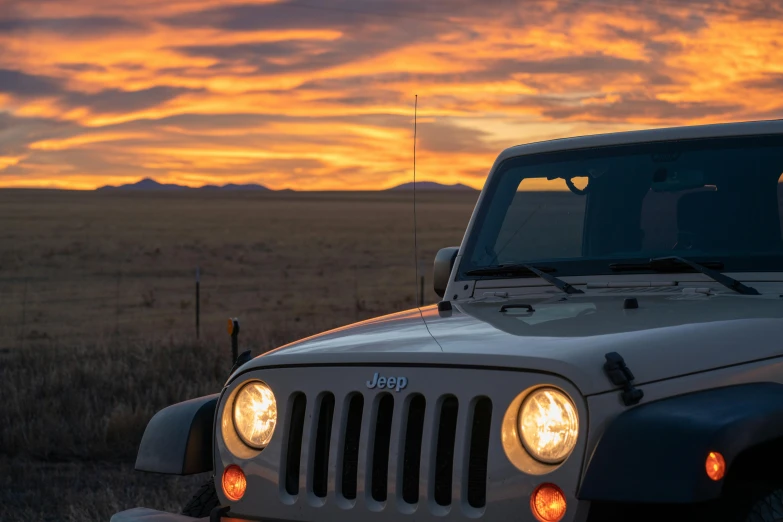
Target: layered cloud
[319, 95]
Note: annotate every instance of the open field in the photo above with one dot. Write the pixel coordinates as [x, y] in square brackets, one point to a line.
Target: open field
[97, 316]
[75, 266]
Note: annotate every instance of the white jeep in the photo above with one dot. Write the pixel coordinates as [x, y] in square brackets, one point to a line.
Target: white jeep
[609, 350]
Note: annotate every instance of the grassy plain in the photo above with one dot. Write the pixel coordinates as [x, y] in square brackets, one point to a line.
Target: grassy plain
[97, 316]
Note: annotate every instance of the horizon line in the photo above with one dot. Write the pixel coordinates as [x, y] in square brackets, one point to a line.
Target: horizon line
[261, 186]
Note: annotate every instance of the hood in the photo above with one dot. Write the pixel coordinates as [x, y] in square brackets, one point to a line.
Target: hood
[665, 337]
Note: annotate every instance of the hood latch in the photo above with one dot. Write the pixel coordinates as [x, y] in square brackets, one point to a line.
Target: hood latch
[621, 375]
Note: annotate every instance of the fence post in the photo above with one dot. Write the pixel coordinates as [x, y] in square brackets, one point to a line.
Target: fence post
[421, 291]
[117, 304]
[198, 300]
[22, 335]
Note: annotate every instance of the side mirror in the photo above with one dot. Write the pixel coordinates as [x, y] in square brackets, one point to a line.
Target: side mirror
[444, 262]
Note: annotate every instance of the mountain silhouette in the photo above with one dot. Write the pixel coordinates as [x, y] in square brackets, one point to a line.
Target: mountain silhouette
[431, 185]
[152, 185]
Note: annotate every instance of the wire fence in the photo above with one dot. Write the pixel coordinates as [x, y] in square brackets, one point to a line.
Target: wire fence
[57, 310]
[76, 268]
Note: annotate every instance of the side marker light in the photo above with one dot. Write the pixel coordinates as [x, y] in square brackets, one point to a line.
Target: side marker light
[715, 466]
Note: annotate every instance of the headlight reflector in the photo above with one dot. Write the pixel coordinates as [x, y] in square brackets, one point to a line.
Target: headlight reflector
[255, 414]
[548, 425]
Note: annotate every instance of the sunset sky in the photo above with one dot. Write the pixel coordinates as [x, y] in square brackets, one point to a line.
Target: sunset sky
[318, 94]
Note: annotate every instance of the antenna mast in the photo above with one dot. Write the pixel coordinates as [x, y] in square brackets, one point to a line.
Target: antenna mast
[415, 227]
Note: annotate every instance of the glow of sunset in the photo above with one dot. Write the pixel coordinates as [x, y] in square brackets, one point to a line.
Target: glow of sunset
[319, 95]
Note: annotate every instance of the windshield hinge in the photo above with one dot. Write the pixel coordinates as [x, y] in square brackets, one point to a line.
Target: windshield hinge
[621, 375]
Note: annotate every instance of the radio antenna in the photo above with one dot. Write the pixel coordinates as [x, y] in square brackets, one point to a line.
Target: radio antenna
[415, 227]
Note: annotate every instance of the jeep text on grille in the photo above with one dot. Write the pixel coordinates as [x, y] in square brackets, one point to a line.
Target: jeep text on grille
[392, 383]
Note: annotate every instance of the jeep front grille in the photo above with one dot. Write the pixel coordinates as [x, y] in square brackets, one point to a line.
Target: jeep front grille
[399, 452]
[442, 448]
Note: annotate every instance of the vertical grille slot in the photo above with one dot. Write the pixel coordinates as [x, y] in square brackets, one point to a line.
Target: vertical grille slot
[294, 451]
[444, 454]
[412, 452]
[479, 448]
[353, 429]
[322, 440]
[380, 448]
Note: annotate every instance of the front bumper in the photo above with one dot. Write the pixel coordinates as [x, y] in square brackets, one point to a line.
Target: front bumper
[141, 514]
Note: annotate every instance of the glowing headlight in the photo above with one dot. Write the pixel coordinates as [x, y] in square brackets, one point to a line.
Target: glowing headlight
[255, 414]
[548, 425]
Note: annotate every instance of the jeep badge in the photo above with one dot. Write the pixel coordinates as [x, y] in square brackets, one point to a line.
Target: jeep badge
[390, 383]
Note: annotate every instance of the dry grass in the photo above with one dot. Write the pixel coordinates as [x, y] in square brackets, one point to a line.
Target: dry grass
[96, 320]
[73, 417]
[77, 265]
[34, 491]
[92, 402]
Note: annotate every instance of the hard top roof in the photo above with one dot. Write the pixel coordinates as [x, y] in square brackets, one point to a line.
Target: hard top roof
[750, 128]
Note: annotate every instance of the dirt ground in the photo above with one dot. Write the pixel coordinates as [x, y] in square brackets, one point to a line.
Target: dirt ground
[97, 316]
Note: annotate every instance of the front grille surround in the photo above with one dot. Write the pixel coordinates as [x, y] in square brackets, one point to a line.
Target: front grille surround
[500, 486]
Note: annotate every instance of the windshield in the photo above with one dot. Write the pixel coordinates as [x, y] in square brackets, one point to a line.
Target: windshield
[578, 212]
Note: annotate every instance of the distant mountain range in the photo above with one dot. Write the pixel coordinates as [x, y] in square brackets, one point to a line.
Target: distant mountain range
[152, 185]
[431, 185]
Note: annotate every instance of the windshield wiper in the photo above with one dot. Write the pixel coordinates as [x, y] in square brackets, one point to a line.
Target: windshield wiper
[672, 263]
[523, 268]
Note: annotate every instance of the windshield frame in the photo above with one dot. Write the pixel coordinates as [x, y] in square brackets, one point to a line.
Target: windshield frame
[566, 267]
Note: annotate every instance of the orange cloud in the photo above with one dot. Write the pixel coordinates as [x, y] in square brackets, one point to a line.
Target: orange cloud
[319, 96]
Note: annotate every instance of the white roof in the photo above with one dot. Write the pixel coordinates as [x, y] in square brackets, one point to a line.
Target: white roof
[668, 134]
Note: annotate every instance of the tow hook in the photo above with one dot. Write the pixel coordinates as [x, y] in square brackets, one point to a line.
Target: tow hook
[621, 375]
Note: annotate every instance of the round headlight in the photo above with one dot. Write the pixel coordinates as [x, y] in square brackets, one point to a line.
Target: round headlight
[548, 425]
[255, 414]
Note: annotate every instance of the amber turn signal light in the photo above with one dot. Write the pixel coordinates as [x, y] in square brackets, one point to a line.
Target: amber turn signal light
[234, 482]
[715, 465]
[548, 503]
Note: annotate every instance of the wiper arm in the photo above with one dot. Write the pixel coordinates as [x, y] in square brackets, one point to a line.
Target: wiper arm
[728, 282]
[670, 263]
[524, 268]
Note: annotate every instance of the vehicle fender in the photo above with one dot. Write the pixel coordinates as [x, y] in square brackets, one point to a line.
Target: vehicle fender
[657, 452]
[178, 439]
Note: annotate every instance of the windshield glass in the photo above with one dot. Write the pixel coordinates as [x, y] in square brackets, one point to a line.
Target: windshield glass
[577, 212]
